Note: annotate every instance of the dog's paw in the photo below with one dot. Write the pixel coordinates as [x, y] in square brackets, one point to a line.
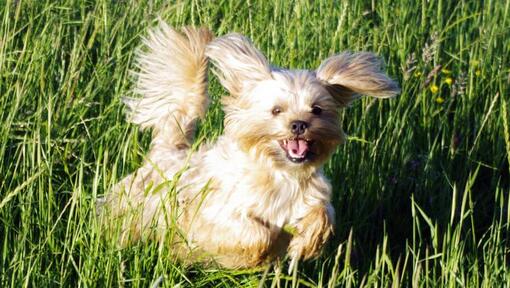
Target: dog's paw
[312, 232]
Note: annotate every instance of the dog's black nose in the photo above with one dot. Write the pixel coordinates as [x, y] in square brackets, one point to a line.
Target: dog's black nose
[298, 127]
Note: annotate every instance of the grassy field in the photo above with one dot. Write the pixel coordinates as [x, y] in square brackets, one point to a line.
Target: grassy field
[421, 188]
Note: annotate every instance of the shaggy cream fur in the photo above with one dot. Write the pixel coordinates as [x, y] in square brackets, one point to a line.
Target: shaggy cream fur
[233, 197]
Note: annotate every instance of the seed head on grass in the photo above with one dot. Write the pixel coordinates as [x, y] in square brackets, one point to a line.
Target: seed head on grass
[459, 86]
[432, 75]
[430, 48]
[410, 65]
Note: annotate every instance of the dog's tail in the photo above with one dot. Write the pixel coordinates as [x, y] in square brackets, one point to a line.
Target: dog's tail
[172, 82]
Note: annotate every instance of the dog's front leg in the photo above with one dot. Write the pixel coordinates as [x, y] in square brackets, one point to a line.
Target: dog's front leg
[312, 231]
[236, 242]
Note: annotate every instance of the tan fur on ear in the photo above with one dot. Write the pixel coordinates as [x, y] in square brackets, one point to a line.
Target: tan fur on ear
[238, 61]
[349, 75]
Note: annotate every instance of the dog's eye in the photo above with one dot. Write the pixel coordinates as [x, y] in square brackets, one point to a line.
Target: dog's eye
[316, 110]
[276, 110]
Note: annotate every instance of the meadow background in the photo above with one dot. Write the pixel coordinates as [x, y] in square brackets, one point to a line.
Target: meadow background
[421, 189]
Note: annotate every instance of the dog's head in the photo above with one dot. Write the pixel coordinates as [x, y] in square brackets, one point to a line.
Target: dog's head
[288, 117]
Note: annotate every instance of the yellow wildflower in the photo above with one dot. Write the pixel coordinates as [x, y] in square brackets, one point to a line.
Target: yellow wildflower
[434, 89]
[446, 71]
[417, 74]
[478, 72]
[439, 100]
[448, 80]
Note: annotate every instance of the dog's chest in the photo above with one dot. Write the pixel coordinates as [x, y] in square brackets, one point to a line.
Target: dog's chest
[241, 187]
[270, 196]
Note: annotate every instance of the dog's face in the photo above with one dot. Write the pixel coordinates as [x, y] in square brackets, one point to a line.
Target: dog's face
[291, 118]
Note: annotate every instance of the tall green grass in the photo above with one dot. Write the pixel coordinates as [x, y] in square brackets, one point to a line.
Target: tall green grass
[421, 189]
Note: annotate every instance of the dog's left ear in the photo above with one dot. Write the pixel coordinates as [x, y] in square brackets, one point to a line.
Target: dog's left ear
[348, 75]
[239, 64]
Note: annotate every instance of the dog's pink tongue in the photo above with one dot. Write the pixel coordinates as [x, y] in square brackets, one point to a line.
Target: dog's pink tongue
[297, 148]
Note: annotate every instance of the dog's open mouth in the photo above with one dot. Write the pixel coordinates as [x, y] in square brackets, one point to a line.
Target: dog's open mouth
[297, 149]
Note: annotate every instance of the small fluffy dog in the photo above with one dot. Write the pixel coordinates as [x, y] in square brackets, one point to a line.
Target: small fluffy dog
[233, 198]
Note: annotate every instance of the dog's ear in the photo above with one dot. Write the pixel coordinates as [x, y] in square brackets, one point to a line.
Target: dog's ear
[239, 63]
[348, 75]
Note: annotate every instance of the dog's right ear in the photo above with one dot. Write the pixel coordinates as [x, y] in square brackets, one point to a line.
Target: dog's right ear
[348, 75]
[239, 64]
